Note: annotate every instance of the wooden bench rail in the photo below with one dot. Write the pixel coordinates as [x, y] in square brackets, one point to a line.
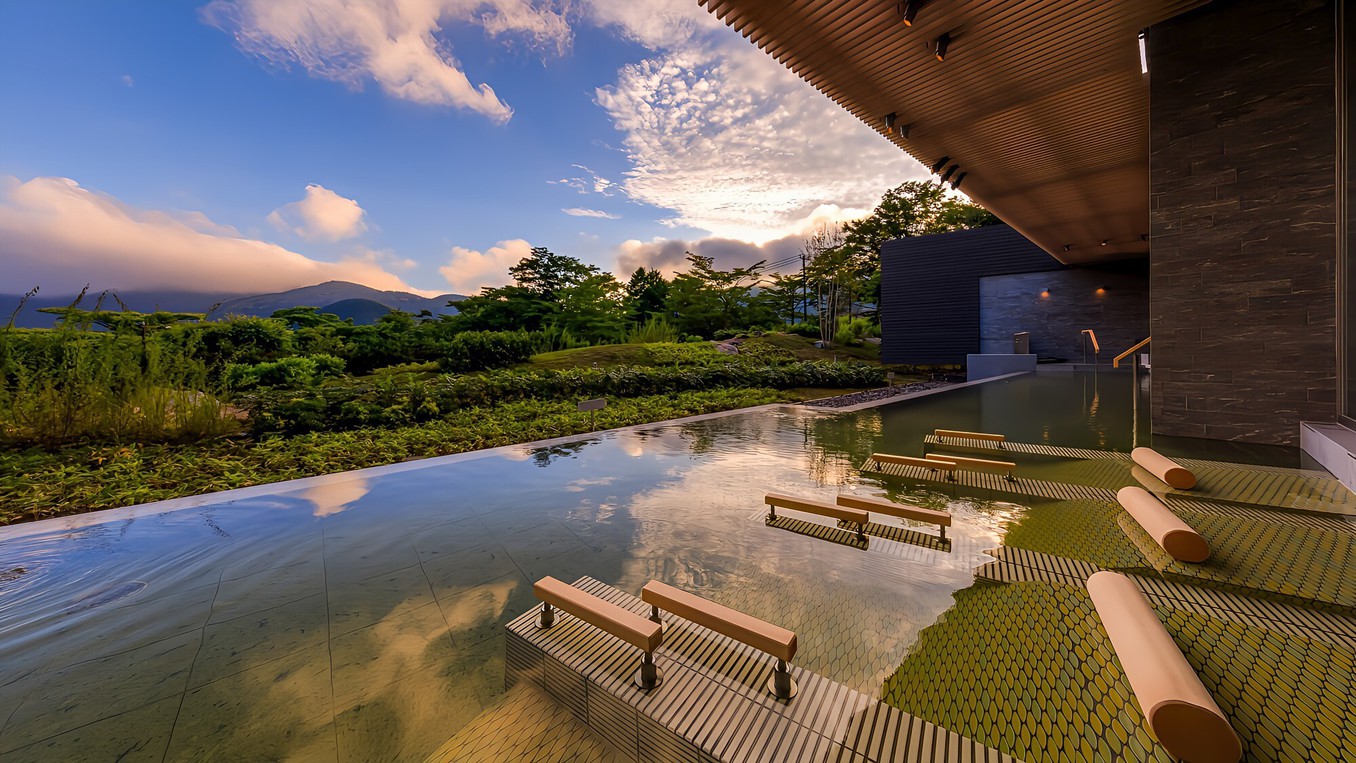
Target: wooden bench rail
[977, 464]
[606, 616]
[935, 464]
[1179, 710]
[763, 636]
[840, 513]
[901, 510]
[1164, 468]
[1167, 529]
[969, 435]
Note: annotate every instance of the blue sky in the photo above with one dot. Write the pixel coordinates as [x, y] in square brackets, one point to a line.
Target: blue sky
[253, 145]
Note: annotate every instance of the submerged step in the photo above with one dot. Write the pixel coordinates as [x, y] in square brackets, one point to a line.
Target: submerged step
[713, 704]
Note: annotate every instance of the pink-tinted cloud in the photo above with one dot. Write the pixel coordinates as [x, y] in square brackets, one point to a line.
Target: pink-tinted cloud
[56, 234]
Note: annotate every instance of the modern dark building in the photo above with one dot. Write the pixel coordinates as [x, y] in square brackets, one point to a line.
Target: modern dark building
[1209, 141]
[953, 294]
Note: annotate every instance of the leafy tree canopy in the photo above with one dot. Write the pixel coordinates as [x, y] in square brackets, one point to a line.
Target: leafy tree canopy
[915, 208]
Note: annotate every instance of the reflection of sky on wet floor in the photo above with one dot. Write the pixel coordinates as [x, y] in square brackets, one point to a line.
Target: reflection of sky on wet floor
[360, 616]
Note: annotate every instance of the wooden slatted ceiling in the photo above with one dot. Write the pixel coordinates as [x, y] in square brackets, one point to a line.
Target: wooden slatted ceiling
[1040, 102]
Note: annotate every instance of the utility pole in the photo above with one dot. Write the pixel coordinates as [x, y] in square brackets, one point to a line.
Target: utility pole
[804, 291]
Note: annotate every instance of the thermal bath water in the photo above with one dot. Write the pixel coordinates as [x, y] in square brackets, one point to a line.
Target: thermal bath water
[360, 616]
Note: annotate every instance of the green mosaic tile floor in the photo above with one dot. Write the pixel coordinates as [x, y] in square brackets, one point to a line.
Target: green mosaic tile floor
[1269, 624]
[1028, 669]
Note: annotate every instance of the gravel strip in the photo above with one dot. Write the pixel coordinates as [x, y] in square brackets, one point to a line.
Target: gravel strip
[871, 395]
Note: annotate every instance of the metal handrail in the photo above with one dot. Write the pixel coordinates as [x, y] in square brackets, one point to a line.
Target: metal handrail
[1096, 348]
[1117, 362]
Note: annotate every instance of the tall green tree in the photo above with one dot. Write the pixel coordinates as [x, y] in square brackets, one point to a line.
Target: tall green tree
[546, 273]
[706, 299]
[646, 295]
[915, 208]
[532, 302]
[782, 294]
[592, 309]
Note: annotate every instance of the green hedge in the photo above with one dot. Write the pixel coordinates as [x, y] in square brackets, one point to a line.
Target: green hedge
[389, 402]
[481, 350]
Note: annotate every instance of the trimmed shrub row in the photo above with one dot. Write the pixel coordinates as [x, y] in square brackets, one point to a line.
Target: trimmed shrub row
[393, 403]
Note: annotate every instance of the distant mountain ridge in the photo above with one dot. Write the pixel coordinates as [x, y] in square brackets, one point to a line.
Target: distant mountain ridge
[332, 292]
[351, 300]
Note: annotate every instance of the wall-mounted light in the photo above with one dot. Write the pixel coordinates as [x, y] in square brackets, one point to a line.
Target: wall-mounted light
[1101, 290]
[908, 9]
[942, 44]
[890, 121]
[1143, 237]
[940, 164]
[959, 178]
[903, 131]
[1045, 294]
[1143, 55]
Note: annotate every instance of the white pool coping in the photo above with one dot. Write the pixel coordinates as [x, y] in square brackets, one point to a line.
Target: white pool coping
[78, 521]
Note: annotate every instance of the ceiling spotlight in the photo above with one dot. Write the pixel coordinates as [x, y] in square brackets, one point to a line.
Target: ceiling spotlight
[1143, 237]
[949, 172]
[903, 131]
[1045, 294]
[943, 43]
[1067, 247]
[959, 178]
[908, 9]
[940, 164]
[1143, 55]
[1101, 290]
[890, 121]
[1104, 242]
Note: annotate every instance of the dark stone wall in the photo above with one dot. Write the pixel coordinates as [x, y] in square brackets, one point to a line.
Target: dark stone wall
[929, 307]
[1119, 315]
[1243, 247]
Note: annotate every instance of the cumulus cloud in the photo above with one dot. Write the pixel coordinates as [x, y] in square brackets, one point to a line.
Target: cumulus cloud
[669, 255]
[127, 80]
[729, 139]
[400, 46]
[469, 271]
[655, 24]
[738, 146]
[322, 215]
[578, 212]
[59, 235]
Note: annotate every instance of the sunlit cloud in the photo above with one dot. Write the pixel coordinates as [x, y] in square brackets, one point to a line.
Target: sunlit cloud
[731, 141]
[669, 255]
[322, 215]
[333, 493]
[127, 80]
[468, 271]
[60, 235]
[578, 212]
[401, 46]
[587, 182]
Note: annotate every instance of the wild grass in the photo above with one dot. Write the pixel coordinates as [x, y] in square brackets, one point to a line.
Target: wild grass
[38, 483]
[77, 383]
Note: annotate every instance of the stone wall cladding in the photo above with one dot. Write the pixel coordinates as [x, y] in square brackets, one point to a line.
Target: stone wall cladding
[1012, 303]
[1243, 228]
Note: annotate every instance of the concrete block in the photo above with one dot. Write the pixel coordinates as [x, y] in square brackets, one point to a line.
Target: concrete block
[987, 366]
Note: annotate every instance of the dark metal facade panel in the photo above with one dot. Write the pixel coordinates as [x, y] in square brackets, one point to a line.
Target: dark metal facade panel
[930, 290]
